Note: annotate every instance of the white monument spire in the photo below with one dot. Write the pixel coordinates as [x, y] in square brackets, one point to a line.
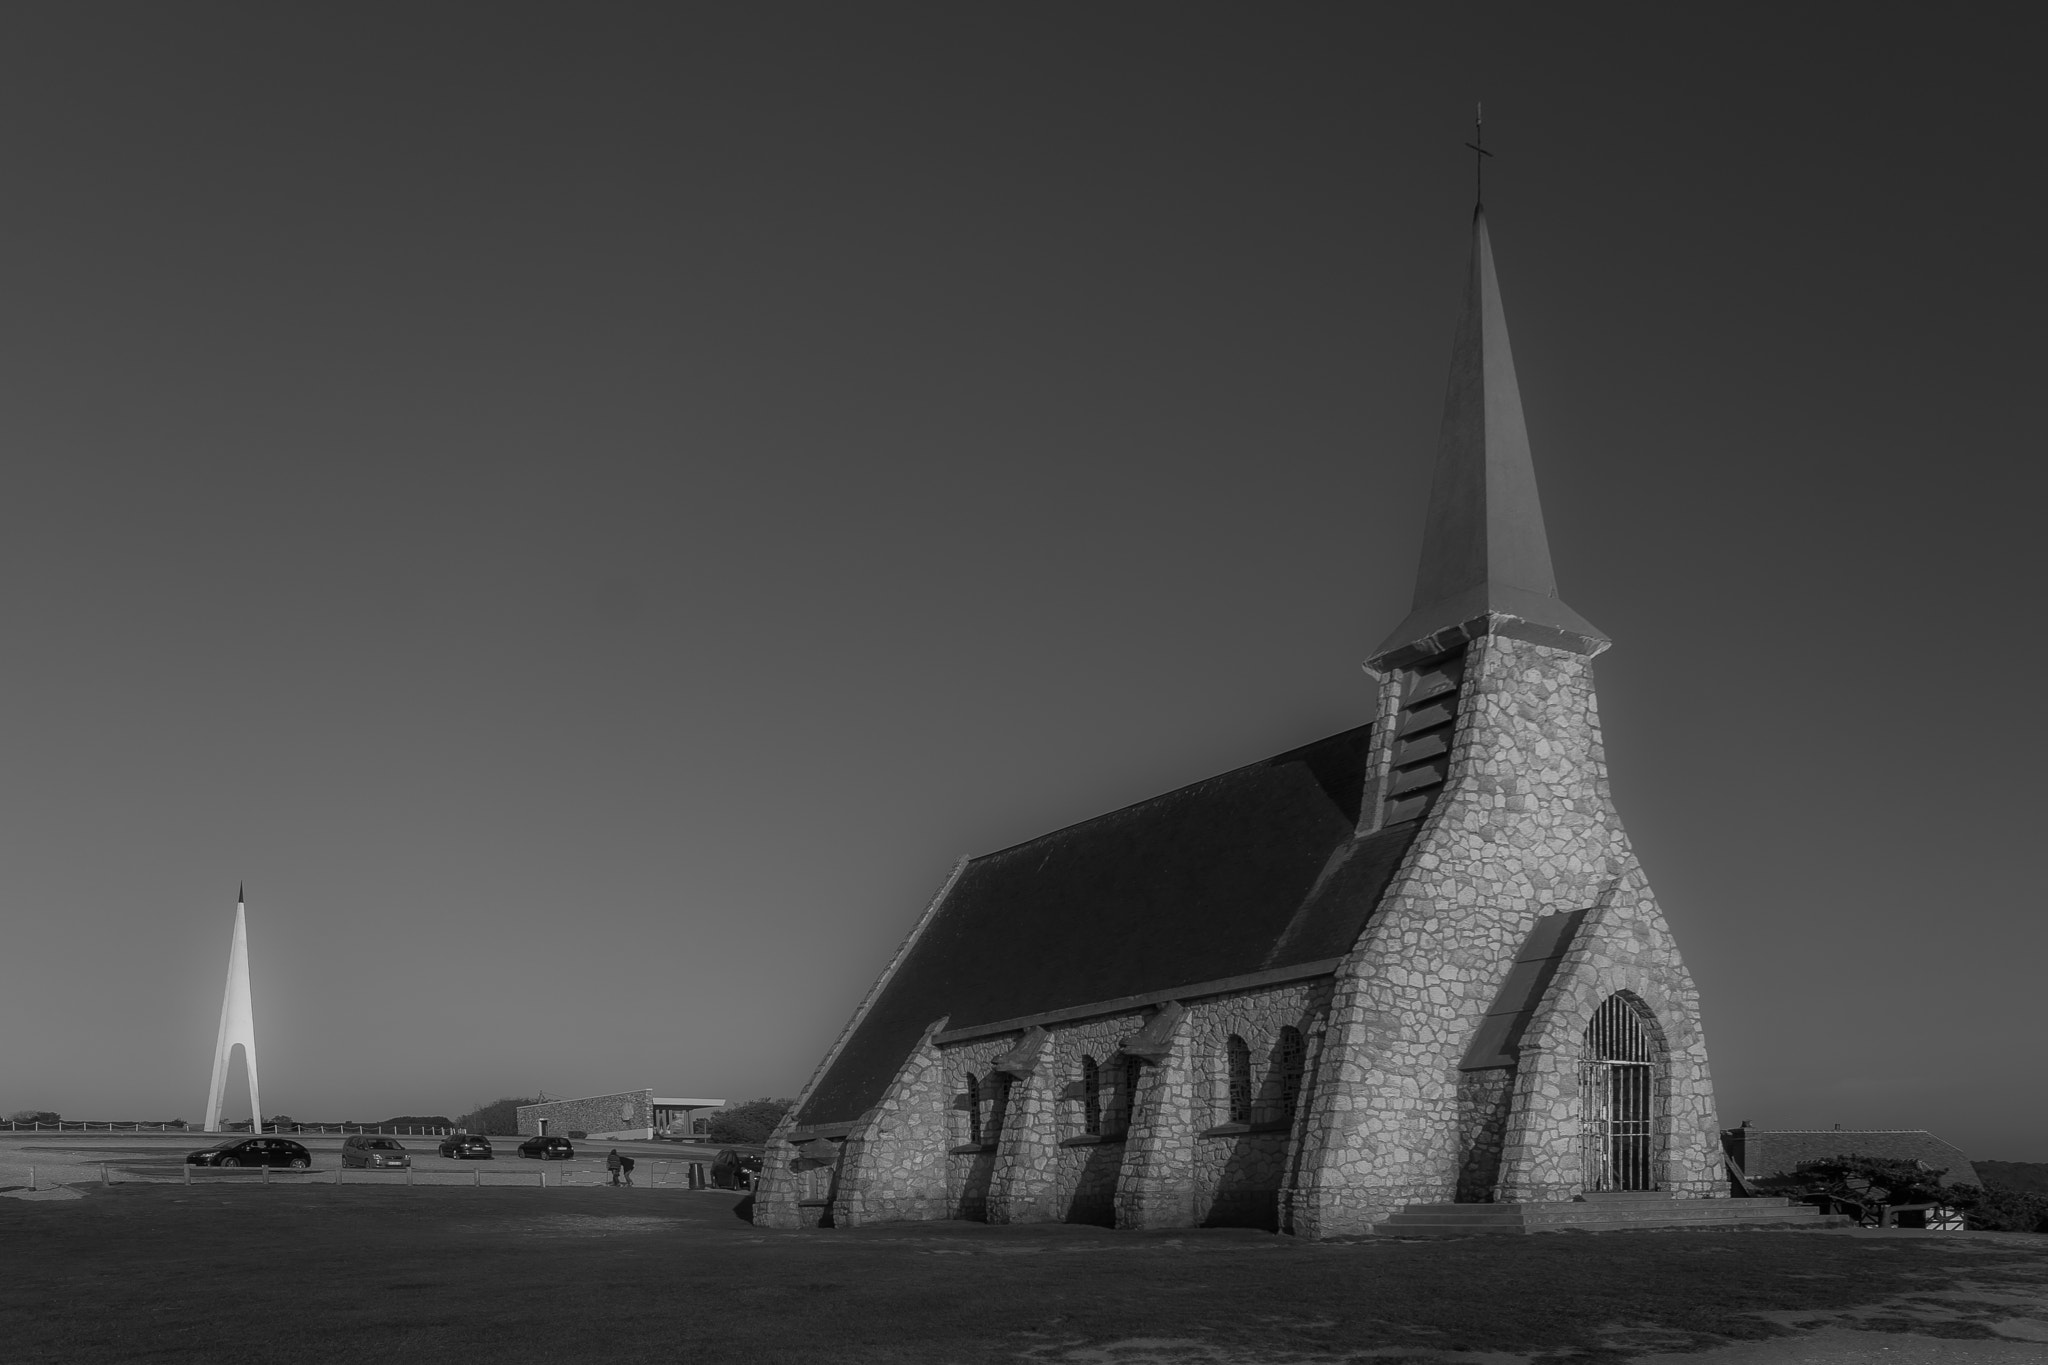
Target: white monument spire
[237, 1025]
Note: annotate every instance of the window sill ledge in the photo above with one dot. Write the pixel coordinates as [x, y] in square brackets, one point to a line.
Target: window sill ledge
[971, 1149]
[1240, 1129]
[1091, 1139]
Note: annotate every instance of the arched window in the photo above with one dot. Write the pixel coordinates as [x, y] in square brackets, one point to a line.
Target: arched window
[974, 1111]
[1293, 1059]
[1091, 1097]
[1618, 1091]
[1238, 1063]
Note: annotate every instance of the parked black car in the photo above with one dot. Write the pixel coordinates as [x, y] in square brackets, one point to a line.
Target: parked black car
[256, 1151]
[471, 1145]
[547, 1148]
[735, 1170]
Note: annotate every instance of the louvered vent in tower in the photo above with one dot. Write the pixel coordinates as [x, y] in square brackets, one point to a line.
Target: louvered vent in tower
[1422, 737]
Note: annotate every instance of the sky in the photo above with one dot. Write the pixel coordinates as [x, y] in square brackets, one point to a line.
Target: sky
[590, 510]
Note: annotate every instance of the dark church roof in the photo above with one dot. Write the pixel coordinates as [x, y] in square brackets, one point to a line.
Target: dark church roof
[1254, 870]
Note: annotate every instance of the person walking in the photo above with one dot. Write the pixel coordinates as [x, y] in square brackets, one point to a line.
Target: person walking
[612, 1163]
[626, 1168]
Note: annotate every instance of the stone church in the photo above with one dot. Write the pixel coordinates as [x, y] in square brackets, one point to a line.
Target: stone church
[1416, 962]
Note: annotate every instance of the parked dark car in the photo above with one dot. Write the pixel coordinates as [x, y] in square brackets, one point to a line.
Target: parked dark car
[735, 1170]
[369, 1151]
[255, 1151]
[474, 1146]
[547, 1148]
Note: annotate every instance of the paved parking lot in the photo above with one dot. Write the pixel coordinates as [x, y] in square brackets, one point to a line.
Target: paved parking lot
[374, 1273]
[73, 1158]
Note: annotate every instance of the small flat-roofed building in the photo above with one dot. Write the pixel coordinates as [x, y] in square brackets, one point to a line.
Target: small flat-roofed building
[681, 1116]
[623, 1116]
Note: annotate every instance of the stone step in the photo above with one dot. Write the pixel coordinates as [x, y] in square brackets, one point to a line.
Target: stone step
[1596, 1215]
[1570, 1213]
[1510, 1230]
[1688, 1208]
[1630, 1197]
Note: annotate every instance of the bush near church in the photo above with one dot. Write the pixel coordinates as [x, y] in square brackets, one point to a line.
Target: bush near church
[748, 1124]
[1998, 1209]
[35, 1116]
[1858, 1181]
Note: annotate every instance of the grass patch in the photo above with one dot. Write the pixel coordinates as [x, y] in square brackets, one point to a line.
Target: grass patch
[280, 1274]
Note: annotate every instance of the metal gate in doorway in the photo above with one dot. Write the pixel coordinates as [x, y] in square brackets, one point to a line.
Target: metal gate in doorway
[1619, 1094]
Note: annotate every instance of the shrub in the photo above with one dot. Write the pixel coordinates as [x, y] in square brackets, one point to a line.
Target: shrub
[35, 1116]
[747, 1124]
[1861, 1180]
[1884, 1179]
[1995, 1208]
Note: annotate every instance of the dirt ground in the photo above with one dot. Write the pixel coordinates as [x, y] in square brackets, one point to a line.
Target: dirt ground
[244, 1272]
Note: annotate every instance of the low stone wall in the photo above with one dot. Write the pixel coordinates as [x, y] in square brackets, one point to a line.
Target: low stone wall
[614, 1116]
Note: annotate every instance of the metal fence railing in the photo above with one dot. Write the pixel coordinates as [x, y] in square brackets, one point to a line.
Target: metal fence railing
[97, 1126]
[649, 1175]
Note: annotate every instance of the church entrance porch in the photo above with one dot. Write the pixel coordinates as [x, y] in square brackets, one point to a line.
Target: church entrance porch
[1618, 1090]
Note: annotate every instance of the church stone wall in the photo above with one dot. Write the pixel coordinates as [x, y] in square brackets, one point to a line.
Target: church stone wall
[1240, 1172]
[1525, 826]
[1086, 1172]
[970, 1166]
[1176, 1162]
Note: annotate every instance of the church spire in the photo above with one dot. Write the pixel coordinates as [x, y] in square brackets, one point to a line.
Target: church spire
[1485, 558]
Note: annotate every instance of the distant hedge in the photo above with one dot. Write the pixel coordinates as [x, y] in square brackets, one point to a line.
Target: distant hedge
[747, 1124]
[500, 1117]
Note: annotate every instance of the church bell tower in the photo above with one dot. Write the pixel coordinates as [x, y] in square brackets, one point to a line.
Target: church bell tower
[1520, 918]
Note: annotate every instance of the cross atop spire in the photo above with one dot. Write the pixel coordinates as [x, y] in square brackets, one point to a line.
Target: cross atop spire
[1485, 556]
[1478, 145]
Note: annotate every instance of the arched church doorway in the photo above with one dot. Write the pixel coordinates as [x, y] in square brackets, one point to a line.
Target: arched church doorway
[1618, 1089]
